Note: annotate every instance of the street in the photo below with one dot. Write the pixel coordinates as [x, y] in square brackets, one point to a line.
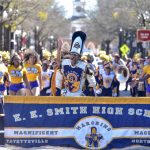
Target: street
[124, 93]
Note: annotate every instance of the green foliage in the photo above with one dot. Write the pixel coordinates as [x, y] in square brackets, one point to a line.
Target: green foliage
[43, 15]
[109, 16]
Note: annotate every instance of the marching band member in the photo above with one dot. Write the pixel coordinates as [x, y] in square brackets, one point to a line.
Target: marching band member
[34, 70]
[128, 65]
[89, 60]
[3, 73]
[134, 75]
[6, 60]
[55, 68]
[141, 91]
[146, 76]
[74, 72]
[115, 66]
[46, 77]
[104, 59]
[107, 79]
[98, 74]
[18, 76]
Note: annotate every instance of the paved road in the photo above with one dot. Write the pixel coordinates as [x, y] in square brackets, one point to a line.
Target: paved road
[124, 93]
[68, 148]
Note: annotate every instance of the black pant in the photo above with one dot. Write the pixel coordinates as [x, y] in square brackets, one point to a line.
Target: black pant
[116, 84]
[127, 83]
[133, 91]
[106, 91]
[43, 92]
[141, 93]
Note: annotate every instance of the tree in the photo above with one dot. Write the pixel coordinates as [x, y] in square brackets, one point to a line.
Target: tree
[109, 16]
[14, 13]
[31, 13]
[50, 21]
[117, 19]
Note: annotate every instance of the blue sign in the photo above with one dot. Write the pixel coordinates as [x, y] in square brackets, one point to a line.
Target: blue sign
[77, 122]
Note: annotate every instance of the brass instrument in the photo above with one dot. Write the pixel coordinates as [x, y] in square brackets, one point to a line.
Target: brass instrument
[122, 72]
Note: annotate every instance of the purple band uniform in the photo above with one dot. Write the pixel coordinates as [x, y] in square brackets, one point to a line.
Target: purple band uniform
[34, 84]
[148, 88]
[16, 87]
[2, 87]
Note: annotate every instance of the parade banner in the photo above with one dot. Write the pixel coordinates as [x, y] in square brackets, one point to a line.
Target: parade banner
[79, 122]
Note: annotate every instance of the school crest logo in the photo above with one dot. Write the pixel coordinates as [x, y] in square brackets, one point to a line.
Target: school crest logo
[72, 78]
[76, 45]
[93, 132]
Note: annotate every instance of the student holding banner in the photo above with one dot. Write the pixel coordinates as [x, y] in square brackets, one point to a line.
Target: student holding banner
[74, 72]
[34, 70]
[18, 77]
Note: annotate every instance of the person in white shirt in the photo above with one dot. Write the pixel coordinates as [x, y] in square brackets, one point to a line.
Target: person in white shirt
[74, 71]
[115, 66]
[108, 79]
[46, 77]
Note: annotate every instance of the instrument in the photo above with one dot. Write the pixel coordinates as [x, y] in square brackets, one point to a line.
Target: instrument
[121, 71]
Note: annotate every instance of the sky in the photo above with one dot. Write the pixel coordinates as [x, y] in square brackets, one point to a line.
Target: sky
[68, 5]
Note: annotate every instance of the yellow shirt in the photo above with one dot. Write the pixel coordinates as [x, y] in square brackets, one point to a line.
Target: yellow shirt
[3, 72]
[33, 71]
[16, 74]
[146, 70]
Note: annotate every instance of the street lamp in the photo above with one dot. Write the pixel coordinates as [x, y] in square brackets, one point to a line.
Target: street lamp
[121, 40]
[51, 43]
[51, 37]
